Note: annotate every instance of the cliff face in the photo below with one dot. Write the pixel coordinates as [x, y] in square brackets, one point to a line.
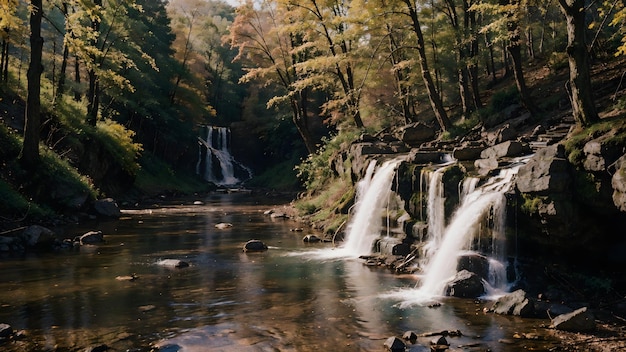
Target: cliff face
[568, 202]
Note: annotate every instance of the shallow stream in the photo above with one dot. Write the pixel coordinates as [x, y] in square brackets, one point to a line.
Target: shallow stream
[227, 300]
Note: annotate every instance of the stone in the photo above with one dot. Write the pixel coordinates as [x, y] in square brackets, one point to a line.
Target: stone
[416, 133]
[463, 153]
[506, 133]
[417, 156]
[91, 237]
[465, 284]
[254, 246]
[311, 239]
[6, 331]
[599, 154]
[223, 225]
[474, 263]
[580, 320]
[173, 263]
[515, 303]
[485, 166]
[546, 172]
[504, 149]
[410, 336]
[618, 183]
[37, 236]
[394, 344]
[107, 207]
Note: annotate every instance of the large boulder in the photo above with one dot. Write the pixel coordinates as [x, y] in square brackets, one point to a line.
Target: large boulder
[475, 263]
[467, 152]
[107, 207]
[505, 149]
[465, 284]
[38, 236]
[600, 154]
[515, 303]
[416, 133]
[580, 320]
[546, 172]
[394, 344]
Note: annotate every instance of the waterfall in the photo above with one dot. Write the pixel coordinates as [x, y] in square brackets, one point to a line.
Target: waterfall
[477, 203]
[219, 164]
[372, 195]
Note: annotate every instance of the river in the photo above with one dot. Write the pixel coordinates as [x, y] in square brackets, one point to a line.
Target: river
[226, 300]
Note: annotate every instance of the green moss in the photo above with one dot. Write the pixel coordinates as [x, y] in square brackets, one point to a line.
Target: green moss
[155, 176]
[613, 129]
[531, 203]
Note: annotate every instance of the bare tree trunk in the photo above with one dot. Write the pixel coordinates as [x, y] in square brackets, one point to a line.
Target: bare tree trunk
[29, 156]
[433, 95]
[92, 91]
[581, 92]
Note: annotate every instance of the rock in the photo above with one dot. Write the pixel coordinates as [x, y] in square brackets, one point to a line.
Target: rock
[442, 341]
[174, 263]
[417, 156]
[485, 166]
[618, 182]
[254, 246]
[107, 207]
[505, 149]
[6, 331]
[91, 237]
[515, 303]
[506, 133]
[580, 320]
[395, 344]
[223, 225]
[38, 236]
[276, 215]
[198, 202]
[131, 277]
[546, 172]
[474, 263]
[467, 152]
[465, 284]
[311, 239]
[410, 336]
[99, 348]
[599, 154]
[416, 133]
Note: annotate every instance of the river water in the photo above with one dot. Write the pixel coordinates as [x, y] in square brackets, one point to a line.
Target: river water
[227, 300]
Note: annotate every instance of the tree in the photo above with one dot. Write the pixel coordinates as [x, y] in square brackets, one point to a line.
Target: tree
[580, 90]
[270, 51]
[433, 96]
[29, 156]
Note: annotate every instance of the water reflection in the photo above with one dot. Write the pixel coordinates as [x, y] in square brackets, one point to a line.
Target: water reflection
[226, 300]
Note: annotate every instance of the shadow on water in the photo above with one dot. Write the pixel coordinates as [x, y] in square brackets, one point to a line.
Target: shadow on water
[226, 300]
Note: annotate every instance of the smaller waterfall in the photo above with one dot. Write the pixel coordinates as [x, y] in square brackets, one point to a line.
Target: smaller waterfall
[219, 164]
[372, 194]
[476, 204]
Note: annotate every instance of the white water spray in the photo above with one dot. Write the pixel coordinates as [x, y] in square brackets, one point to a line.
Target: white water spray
[475, 206]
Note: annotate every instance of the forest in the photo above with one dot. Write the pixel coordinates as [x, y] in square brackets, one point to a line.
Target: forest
[106, 98]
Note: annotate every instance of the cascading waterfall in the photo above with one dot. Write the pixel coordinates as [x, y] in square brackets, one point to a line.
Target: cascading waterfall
[440, 262]
[372, 194]
[217, 146]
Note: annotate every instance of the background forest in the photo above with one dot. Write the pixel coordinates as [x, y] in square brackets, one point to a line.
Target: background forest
[108, 97]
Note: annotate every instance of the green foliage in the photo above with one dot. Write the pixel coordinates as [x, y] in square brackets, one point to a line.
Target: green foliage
[9, 145]
[501, 99]
[314, 171]
[119, 142]
[531, 203]
[461, 127]
[558, 60]
[281, 176]
[14, 205]
[614, 129]
[156, 176]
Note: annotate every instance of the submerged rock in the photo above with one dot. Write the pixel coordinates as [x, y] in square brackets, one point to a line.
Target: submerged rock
[311, 239]
[580, 320]
[174, 263]
[223, 225]
[6, 331]
[254, 246]
[91, 237]
[38, 236]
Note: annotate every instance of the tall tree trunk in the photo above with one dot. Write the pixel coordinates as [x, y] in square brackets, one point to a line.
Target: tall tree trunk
[581, 92]
[433, 95]
[29, 156]
[4, 63]
[300, 119]
[92, 91]
[66, 53]
[77, 94]
[514, 48]
[472, 66]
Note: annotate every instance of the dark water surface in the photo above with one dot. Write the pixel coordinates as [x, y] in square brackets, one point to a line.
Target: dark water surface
[226, 300]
